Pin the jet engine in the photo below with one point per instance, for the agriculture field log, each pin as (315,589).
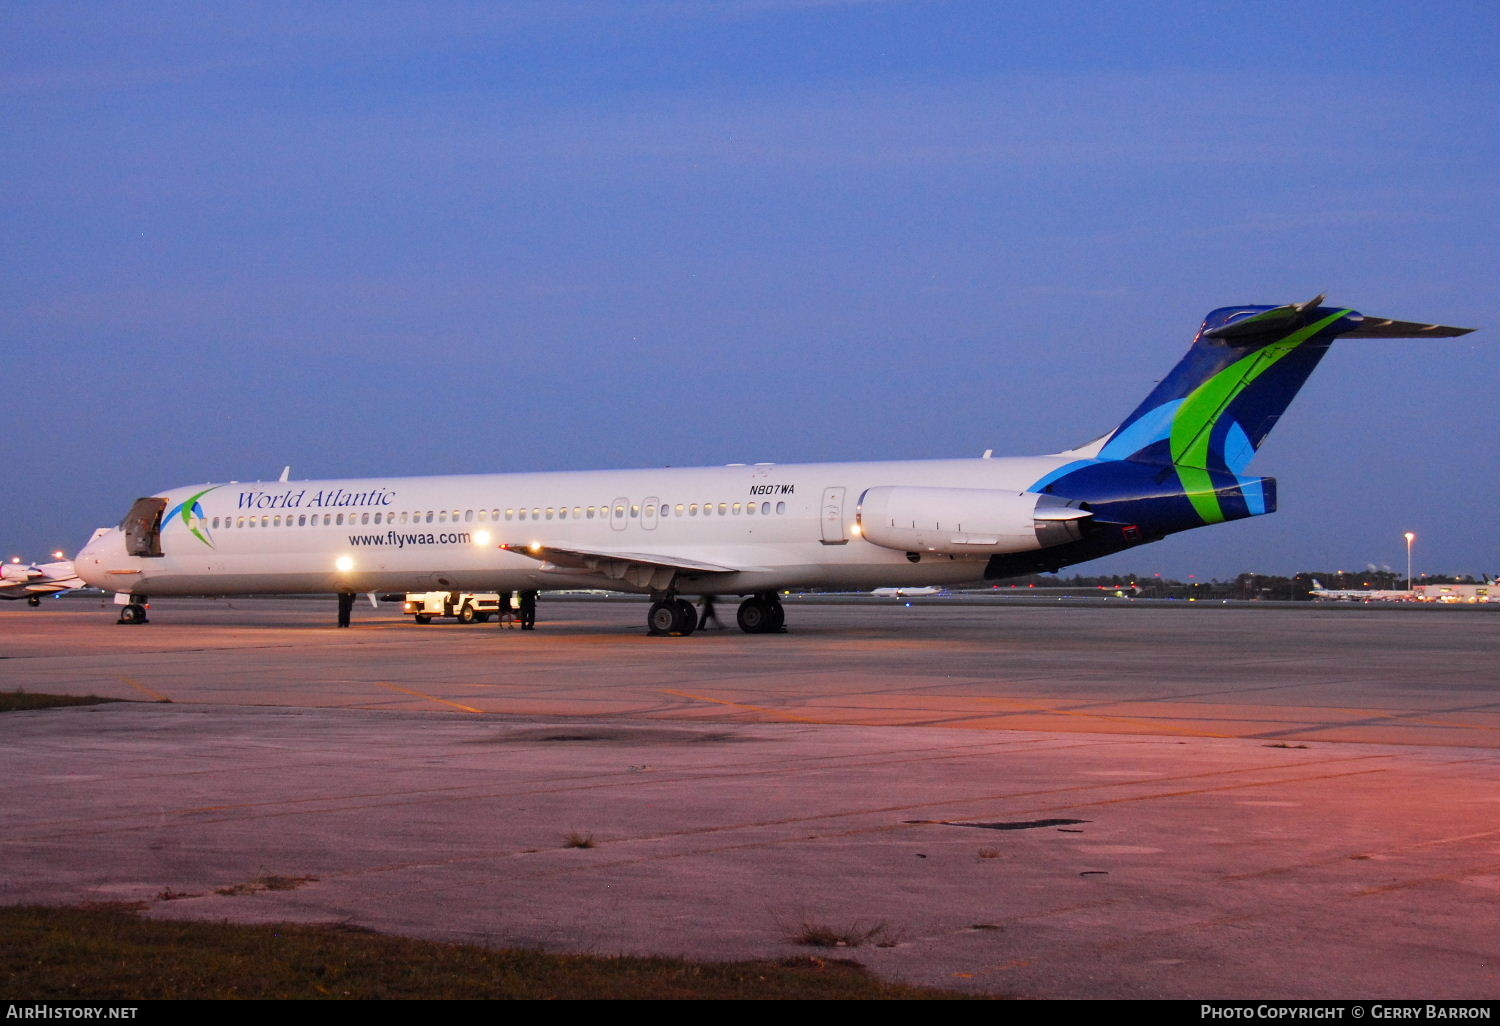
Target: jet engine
(968,521)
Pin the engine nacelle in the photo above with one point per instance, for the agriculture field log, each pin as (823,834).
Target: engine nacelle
(968,521)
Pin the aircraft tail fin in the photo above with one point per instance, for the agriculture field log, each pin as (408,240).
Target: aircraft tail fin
(1204,421)
(1222,399)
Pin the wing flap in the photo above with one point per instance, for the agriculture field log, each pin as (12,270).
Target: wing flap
(642,569)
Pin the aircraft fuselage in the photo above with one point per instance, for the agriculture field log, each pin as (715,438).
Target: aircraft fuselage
(770,526)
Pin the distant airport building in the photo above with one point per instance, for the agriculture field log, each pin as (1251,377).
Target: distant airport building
(1467,593)
(1445,593)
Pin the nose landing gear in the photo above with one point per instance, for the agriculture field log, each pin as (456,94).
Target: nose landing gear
(134,611)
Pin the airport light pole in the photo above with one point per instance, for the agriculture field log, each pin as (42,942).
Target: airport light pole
(1410,537)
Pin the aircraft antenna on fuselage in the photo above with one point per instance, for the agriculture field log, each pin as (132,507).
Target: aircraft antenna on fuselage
(286,473)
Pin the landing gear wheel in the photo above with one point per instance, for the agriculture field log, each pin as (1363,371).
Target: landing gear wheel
(759,615)
(689,617)
(664,618)
(753,616)
(33,600)
(132,613)
(422,618)
(466,615)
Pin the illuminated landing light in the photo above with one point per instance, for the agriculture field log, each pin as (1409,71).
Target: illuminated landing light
(535,546)
(57,555)
(481,537)
(854,530)
(344,564)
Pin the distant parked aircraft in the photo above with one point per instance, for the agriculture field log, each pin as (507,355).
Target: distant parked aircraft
(30,581)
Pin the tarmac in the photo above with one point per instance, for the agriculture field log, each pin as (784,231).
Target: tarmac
(1041,801)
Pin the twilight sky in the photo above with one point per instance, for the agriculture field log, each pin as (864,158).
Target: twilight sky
(388,238)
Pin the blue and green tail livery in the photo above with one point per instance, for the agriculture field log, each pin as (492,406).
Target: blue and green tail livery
(1179,460)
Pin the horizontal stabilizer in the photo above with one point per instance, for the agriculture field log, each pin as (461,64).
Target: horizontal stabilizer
(1380,327)
(1279,318)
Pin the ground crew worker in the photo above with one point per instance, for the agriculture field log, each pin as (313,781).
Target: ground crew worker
(346,606)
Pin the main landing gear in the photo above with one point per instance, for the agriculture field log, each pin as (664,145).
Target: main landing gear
(761,614)
(672,615)
(758,614)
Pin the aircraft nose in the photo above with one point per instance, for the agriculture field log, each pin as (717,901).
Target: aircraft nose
(94,560)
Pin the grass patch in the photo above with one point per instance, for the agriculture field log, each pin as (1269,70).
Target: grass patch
(821,935)
(111,954)
(578,839)
(266,883)
(22,701)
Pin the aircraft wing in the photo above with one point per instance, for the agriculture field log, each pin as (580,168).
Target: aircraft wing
(642,569)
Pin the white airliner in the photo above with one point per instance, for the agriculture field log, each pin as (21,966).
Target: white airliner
(30,581)
(1176,463)
(1317,591)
